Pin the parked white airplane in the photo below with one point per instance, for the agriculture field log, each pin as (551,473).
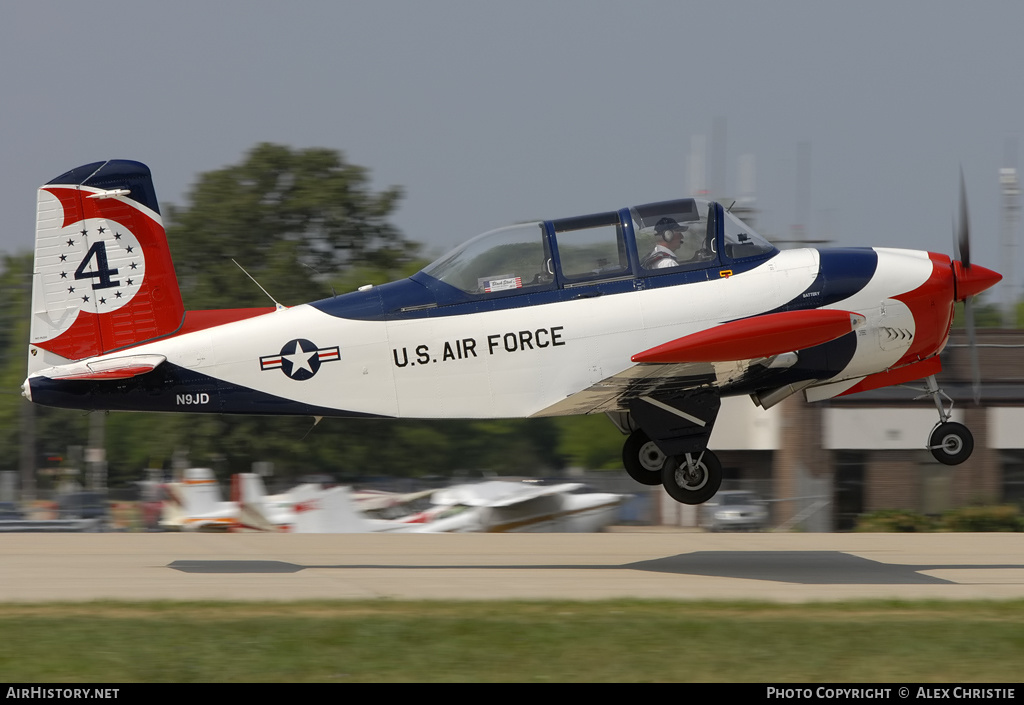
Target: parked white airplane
(498,506)
(305,509)
(263,512)
(649,314)
(388,505)
(494,506)
(334,512)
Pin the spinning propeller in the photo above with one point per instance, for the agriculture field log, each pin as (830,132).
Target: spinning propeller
(968,282)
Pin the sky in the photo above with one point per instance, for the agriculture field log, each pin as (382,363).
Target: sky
(490,112)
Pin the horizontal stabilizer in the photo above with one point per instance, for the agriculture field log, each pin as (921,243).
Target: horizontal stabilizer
(116,368)
(760,336)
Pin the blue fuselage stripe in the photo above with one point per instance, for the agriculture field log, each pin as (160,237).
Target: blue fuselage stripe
(172,388)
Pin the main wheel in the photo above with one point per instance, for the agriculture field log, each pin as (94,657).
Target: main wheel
(692,478)
(643,459)
(951,443)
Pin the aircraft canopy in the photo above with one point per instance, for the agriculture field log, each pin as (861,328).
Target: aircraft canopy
(632,242)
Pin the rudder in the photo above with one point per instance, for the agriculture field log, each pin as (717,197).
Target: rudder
(103,277)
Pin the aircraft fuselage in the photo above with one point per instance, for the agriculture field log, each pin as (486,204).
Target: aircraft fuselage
(518,361)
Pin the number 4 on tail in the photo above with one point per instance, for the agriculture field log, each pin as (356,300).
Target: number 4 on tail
(102,271)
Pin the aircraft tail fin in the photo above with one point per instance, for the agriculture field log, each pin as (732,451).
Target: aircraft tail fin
(247,488)
(103,277)
(200,493)
(329,512)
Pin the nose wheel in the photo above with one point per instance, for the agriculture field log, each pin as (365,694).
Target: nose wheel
(951,443)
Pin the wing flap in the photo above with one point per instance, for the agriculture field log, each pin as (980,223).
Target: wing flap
(757,337)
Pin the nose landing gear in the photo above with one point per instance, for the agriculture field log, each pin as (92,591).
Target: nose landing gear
(950,443)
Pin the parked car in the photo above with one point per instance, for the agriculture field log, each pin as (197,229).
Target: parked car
(734,510)
(83,505)
(11,510)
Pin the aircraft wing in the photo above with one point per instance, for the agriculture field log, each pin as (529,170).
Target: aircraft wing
(713,357)
(498,493)
(757,337)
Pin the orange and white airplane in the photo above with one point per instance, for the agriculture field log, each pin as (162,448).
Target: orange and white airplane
(649,314)
(194,504)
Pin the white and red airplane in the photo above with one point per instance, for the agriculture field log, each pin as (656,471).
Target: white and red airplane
(649,314)
(503,506)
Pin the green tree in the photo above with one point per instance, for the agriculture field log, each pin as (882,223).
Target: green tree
(15,280)
(301,222)
(986,314)
(590,442)
(292,218)
(305,224)
(54,429)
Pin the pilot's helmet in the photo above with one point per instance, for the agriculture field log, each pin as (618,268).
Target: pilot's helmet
(666,224)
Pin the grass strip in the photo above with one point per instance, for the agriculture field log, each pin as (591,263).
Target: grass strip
(601,641)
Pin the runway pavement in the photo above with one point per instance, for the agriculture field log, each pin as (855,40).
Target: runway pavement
(670,565)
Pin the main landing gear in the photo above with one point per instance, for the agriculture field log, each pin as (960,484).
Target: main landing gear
(690,478)
(667,444)
(643,459)
(693,478)
(950,443)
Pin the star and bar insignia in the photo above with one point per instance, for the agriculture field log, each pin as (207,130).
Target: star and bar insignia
(300,359)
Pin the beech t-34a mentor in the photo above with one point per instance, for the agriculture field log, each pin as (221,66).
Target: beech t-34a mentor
(649,314)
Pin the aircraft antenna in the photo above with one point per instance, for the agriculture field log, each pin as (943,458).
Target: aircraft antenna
(279,306)
(316,422)
(335,293)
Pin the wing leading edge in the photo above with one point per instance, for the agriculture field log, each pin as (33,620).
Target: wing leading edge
(757,337)
(715,357)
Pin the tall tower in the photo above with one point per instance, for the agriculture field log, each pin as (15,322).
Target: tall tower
(718,158)
(746,202)
(1011,214)
(698,181)
(803,193)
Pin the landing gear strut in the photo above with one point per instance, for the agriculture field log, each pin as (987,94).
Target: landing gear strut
(667,444)
(950,443)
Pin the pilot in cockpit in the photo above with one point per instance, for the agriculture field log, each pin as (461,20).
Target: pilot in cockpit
(669,237)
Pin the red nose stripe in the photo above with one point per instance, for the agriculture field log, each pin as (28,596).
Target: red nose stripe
(760,336)
(971,281)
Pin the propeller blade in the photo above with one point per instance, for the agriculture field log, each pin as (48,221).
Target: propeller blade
(956,243)
(964,233)
(969,283)
(972,345)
